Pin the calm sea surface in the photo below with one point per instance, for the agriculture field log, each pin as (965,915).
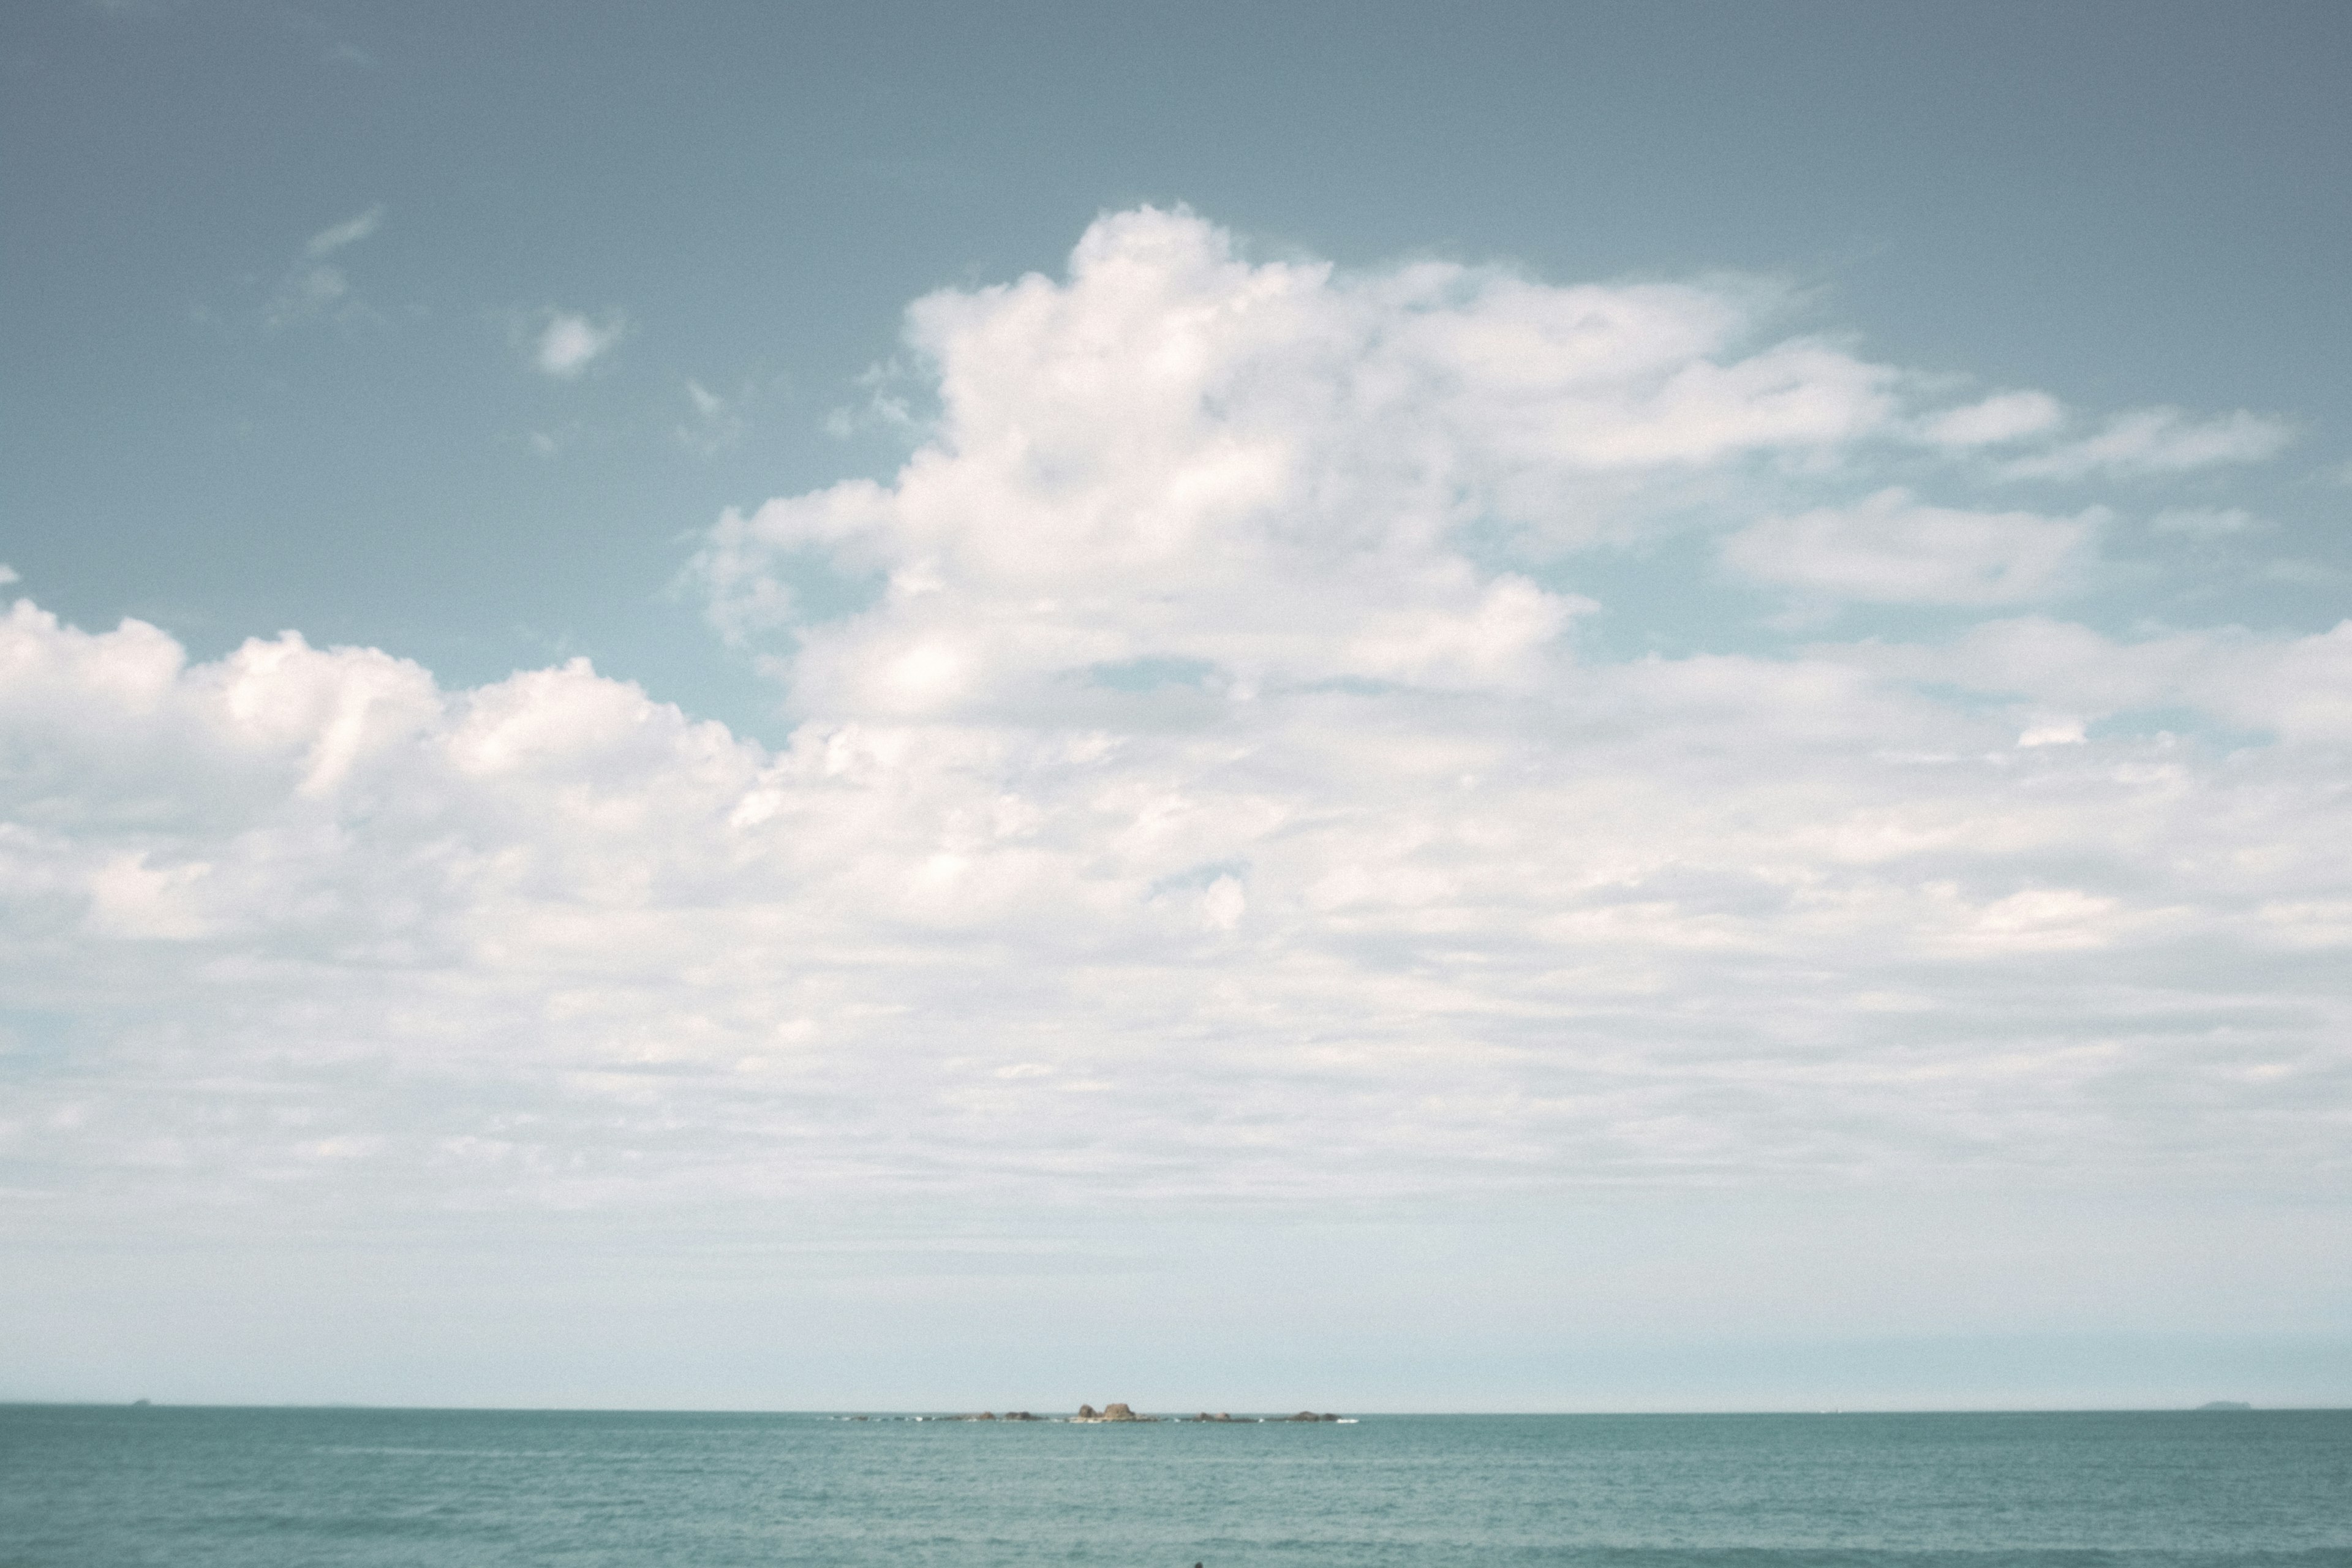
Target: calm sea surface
(262,1489)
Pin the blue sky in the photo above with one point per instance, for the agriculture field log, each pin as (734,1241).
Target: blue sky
(1665,685)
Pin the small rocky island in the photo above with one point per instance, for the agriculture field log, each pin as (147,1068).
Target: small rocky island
(1117,1410)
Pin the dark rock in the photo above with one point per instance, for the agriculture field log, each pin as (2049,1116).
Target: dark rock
(1087,1413)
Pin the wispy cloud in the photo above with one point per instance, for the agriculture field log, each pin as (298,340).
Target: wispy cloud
(2160,441)
(2205,522)
(315,289)
(2004,417)
(350,231)
(553,442)
(886,406)
(716,424)
(314,293)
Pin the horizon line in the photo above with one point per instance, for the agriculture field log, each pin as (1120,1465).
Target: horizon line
(2215,1408)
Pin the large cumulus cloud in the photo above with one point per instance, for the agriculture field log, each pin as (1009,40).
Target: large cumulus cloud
(1202,791)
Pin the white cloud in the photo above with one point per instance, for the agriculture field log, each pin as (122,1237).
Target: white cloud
(1178,454)
(1321,945)
(1890,549)
(350,231)
(2298,689)
(569,342)
(2053,733)
(1204,799)
(8,575)
(2003,417)
(2160,441)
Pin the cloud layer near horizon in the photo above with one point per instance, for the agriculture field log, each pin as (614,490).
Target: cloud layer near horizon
(1203,791)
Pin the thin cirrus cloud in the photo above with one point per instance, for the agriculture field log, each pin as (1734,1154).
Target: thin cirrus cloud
(318,290)
(1210,795)
(350,231)
(717,422)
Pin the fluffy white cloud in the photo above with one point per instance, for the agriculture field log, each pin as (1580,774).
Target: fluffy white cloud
(1206,800)
(1890,549)
(569,342)
(1717,919)
(1264,471)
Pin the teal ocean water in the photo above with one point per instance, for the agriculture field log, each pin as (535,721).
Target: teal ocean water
(113,1488)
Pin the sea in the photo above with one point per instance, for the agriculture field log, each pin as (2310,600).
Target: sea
(88,1487)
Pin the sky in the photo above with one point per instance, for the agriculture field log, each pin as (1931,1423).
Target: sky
(1517,708)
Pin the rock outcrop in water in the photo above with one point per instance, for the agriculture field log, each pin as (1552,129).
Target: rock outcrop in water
(1117,1410)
